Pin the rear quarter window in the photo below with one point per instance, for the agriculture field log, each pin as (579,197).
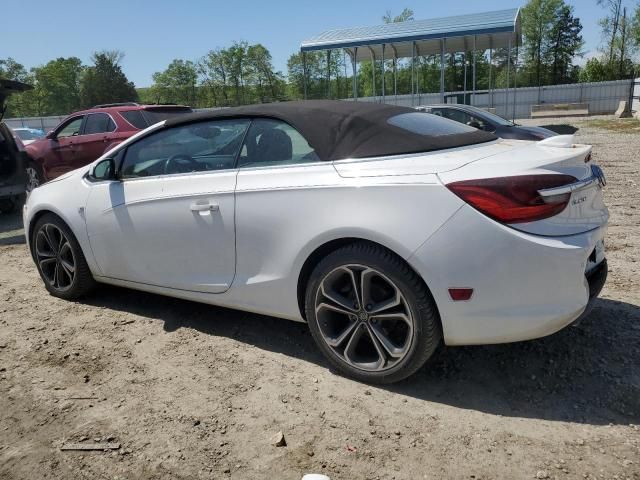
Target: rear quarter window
(428,124)
(135,118)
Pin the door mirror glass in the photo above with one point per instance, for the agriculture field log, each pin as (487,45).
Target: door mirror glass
(104,170)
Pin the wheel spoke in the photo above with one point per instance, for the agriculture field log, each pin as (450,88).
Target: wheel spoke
(42,238)
(365,287)
(56,276)
(334,308)
(350,351)
(376,343)
(388,304)
(45,262)
(336,341)
(385,342)
(68,267)
(356,288)
(337,298)
(50,233)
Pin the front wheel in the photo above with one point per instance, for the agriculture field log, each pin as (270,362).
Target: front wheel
(59,258)
(370,314)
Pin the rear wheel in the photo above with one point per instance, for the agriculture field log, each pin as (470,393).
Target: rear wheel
(370,314)
(59,258)
(35,177)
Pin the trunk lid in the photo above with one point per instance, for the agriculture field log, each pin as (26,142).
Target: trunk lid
(425,163)
(585,209)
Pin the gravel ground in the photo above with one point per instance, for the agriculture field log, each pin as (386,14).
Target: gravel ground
(191,391)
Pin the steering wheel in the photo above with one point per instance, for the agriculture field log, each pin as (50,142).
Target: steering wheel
(180,163)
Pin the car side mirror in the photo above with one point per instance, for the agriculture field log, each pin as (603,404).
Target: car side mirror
(104,170)
(475,124)
(51,135)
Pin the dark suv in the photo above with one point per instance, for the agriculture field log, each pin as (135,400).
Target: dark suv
(12,157)
(84,136)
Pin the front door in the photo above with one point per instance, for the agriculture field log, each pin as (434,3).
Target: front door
(95,137)
(169,220)
(61,155)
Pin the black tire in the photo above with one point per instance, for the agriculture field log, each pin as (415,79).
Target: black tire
(35,176)
(416,299)
(82,282)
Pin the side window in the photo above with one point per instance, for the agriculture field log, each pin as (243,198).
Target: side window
(71,128)
(273,142)
(477,122)
(436,111)
(195,147)
(457,115)
(98,123)
(135,118)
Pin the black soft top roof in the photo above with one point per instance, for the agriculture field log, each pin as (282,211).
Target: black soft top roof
(346,129)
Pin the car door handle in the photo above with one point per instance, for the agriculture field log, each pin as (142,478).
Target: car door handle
(204,207)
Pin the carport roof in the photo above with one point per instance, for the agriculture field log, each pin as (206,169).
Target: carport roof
(490,29)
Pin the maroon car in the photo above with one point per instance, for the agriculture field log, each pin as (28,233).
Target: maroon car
(84,136)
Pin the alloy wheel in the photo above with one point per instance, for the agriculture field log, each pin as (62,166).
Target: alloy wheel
(33,179)
(364,318)
(55,257)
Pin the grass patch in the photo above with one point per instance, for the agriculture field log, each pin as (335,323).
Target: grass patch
(619,125)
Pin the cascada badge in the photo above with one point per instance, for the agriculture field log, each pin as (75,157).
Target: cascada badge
(597,172)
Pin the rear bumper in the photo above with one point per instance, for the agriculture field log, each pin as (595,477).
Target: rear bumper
(525,286)
(596,278)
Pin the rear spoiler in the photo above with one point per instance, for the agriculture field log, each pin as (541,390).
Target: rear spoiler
(559,141)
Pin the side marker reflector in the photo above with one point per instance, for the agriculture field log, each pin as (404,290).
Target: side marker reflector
(460,294)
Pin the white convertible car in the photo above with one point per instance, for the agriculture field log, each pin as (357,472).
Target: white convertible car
(385,229)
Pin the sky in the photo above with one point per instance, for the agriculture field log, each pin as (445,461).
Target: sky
(151,33)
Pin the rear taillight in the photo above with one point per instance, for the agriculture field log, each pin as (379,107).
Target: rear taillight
(514,199)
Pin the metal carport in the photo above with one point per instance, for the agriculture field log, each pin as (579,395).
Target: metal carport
(460,33)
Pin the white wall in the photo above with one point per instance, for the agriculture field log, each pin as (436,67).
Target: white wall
(602,97)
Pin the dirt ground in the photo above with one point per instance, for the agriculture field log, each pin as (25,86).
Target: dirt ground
(192,391)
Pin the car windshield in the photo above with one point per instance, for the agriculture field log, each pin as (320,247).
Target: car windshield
(155,115)
(491,117)
(29,134)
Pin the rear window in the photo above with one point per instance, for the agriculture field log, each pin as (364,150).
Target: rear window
(428,125)
(156,115)
(145,118)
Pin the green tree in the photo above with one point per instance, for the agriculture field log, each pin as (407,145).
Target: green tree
(57,86)
(565,44)
(405,15)
(105,82)
(18,105)
(538,21)
(595,70)
(635,27)
(619,32)
(214,71)
(267,84)
(176,84)
(610,24)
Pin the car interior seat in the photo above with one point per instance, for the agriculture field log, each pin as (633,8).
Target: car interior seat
(274,146)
